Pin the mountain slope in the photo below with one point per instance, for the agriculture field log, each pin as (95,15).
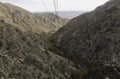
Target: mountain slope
(27,21)
(24,55)
(51,21)
(93,37)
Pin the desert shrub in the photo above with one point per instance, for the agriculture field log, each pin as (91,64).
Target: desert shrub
(2,20)
(79,74)
(114,76)
(1,43)
(95,73)
(112,72)
(90,71)
(2,76)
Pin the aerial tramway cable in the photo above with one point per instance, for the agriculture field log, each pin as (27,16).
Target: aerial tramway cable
(44,5)
(55,6)
(55,2)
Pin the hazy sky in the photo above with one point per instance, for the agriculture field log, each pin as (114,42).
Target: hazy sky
(64,5)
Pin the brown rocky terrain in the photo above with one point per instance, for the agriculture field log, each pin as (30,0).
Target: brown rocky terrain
(25,55)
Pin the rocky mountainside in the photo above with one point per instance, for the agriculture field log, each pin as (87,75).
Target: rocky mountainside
(24,45)
(27,21)
(25,55)
(93,37)
(85,48)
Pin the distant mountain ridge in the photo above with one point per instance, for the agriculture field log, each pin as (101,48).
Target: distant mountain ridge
(69,14)
(66,14)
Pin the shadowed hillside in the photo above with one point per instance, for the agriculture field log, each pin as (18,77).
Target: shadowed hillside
(93,36)
(92,41)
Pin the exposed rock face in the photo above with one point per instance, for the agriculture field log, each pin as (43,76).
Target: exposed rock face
(27,21)
(93,36)
(24,55)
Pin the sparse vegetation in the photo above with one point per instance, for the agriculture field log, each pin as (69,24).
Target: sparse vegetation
(25,55)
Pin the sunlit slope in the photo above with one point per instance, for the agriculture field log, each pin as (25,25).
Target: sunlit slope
(27,21)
